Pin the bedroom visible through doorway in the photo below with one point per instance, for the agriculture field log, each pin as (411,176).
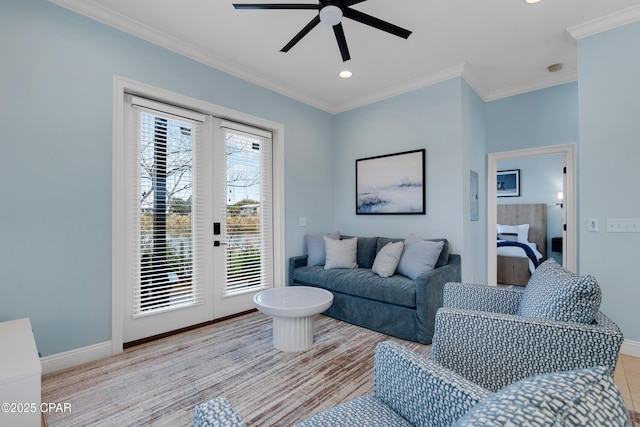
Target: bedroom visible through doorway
(565,215)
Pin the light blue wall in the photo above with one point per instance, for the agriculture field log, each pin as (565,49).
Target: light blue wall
(447,119)
(608,156)
(474,266)
(534,119)
(55,161)
(429,118)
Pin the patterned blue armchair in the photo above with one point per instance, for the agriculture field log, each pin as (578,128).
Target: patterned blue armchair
(495,336)
(411,390)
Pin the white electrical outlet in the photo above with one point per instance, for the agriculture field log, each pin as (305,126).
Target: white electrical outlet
(623,225)
(593,224)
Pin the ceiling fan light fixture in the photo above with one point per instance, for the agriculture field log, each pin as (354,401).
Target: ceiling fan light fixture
(331,15)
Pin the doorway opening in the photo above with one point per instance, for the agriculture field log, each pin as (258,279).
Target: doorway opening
(569,232)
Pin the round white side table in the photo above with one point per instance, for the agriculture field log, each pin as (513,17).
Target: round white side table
(292,309)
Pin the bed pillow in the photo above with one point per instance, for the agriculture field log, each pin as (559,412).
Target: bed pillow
(341,253)
(316,249)
(522,231)
(555,293)
(388,258)
(583,397)
(418,256)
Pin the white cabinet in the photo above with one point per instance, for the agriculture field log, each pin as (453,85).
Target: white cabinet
(20,372)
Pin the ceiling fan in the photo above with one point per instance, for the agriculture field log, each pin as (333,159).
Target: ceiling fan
(331,13)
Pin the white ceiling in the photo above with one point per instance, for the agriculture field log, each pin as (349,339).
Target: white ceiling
(500,47)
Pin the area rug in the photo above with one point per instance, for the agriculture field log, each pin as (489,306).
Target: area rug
(160,383)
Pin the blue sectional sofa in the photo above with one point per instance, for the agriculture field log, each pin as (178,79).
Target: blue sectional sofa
(398,305)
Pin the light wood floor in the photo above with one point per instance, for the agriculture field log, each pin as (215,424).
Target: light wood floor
(627,378)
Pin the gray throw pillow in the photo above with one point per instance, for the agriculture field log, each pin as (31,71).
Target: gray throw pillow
(341,253)
(555,293)
(419,256)
(315,247)
(387,260)
(580,398)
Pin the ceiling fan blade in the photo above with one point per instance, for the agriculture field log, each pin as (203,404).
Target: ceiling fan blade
(276,6)
(348,3)
(342,42)
(315,21)
(376,23)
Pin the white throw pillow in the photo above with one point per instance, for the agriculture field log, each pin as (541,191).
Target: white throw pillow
(521,230)
(419,256)
(315,247)
(341,253)
(387,260)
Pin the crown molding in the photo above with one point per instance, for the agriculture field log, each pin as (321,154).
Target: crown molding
(568,77)
(609,22)
(440,76)
(108,17)
(123,23)
(472,80)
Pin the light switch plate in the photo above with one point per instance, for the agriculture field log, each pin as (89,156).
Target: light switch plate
(623,225)
(593,224)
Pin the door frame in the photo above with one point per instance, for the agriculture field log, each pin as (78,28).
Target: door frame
(569,241)
(121,86)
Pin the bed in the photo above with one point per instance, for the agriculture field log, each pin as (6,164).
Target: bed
(526,225)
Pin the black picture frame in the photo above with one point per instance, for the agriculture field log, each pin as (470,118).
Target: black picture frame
(392,184)
(508,183)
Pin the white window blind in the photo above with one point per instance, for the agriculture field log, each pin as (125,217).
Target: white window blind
(249,221)
(168,256)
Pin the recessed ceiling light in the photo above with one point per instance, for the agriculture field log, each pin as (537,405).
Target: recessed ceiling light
(532,1)
(345,74)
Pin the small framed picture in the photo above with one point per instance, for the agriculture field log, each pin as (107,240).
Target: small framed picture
(508,183)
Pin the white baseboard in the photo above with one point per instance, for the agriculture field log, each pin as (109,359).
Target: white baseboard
(78,356)
(630,348)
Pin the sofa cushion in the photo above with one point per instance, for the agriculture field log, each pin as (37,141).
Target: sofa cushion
(443,259)
(315,247)
(367,249)
(584,397)
(387,260)
(558,294)
(419,256)
(361,282)
(362,411)
(341,253)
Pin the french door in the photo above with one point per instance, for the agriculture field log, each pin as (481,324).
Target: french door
(197,218)
(243,216)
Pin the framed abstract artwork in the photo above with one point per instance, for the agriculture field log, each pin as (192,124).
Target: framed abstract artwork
(392,184)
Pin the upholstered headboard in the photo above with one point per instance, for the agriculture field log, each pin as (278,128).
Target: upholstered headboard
(533,214)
